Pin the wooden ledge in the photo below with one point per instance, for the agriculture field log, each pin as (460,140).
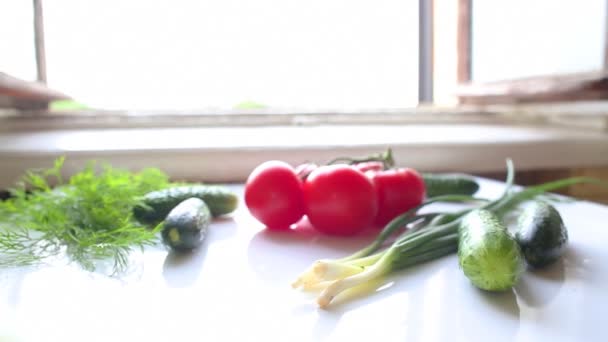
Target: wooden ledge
(20,94)
(571,87)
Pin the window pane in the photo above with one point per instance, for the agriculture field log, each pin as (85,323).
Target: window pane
(17,51)
(220,53)
(519,38)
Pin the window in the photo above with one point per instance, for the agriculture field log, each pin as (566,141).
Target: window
(308,79)
(532,51)
(339,54)
(17,39)
(523,38)
(336,54)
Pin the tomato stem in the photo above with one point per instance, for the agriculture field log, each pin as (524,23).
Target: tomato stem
(385,158)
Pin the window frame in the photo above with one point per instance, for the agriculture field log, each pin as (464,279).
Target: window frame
(472,97)
(39,39)
(583,86)
(575,87)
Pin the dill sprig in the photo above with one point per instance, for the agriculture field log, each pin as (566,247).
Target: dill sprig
(89,217)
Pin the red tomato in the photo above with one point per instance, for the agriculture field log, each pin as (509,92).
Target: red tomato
(340,200)
(397,190)
(273,194)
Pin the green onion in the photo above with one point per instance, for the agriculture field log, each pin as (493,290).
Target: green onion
(438,237)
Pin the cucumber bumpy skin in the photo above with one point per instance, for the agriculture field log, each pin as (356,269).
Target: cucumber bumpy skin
(487,253)
(158,204)
(541,234)
(186,226)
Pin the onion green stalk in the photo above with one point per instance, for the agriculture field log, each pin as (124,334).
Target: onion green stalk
(323,270)
(437,238)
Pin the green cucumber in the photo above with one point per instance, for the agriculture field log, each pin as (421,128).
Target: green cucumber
(438,184)
(156,205)
(488,255)
(185,227)
(541,234)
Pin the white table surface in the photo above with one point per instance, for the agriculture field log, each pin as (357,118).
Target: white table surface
(237,287)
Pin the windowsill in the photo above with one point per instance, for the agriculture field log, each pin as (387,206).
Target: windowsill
(227,154)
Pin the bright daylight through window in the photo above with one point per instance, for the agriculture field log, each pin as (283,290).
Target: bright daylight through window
(330,54)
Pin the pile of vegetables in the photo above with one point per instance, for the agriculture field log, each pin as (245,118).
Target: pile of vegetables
(346,198)
(101,214)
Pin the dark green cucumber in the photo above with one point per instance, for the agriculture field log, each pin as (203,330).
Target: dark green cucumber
(156,205)
(488,255)
(541,234)
(186,226)
(438,184)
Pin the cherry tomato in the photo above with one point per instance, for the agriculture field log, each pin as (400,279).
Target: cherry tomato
(340,200)
(397,190)
(274,196)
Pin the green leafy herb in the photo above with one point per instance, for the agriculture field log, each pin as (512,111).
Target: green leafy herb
(89,217)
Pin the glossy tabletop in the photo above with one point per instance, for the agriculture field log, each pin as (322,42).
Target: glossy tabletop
(237,287)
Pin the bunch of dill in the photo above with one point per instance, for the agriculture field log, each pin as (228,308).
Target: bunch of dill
(88,217)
